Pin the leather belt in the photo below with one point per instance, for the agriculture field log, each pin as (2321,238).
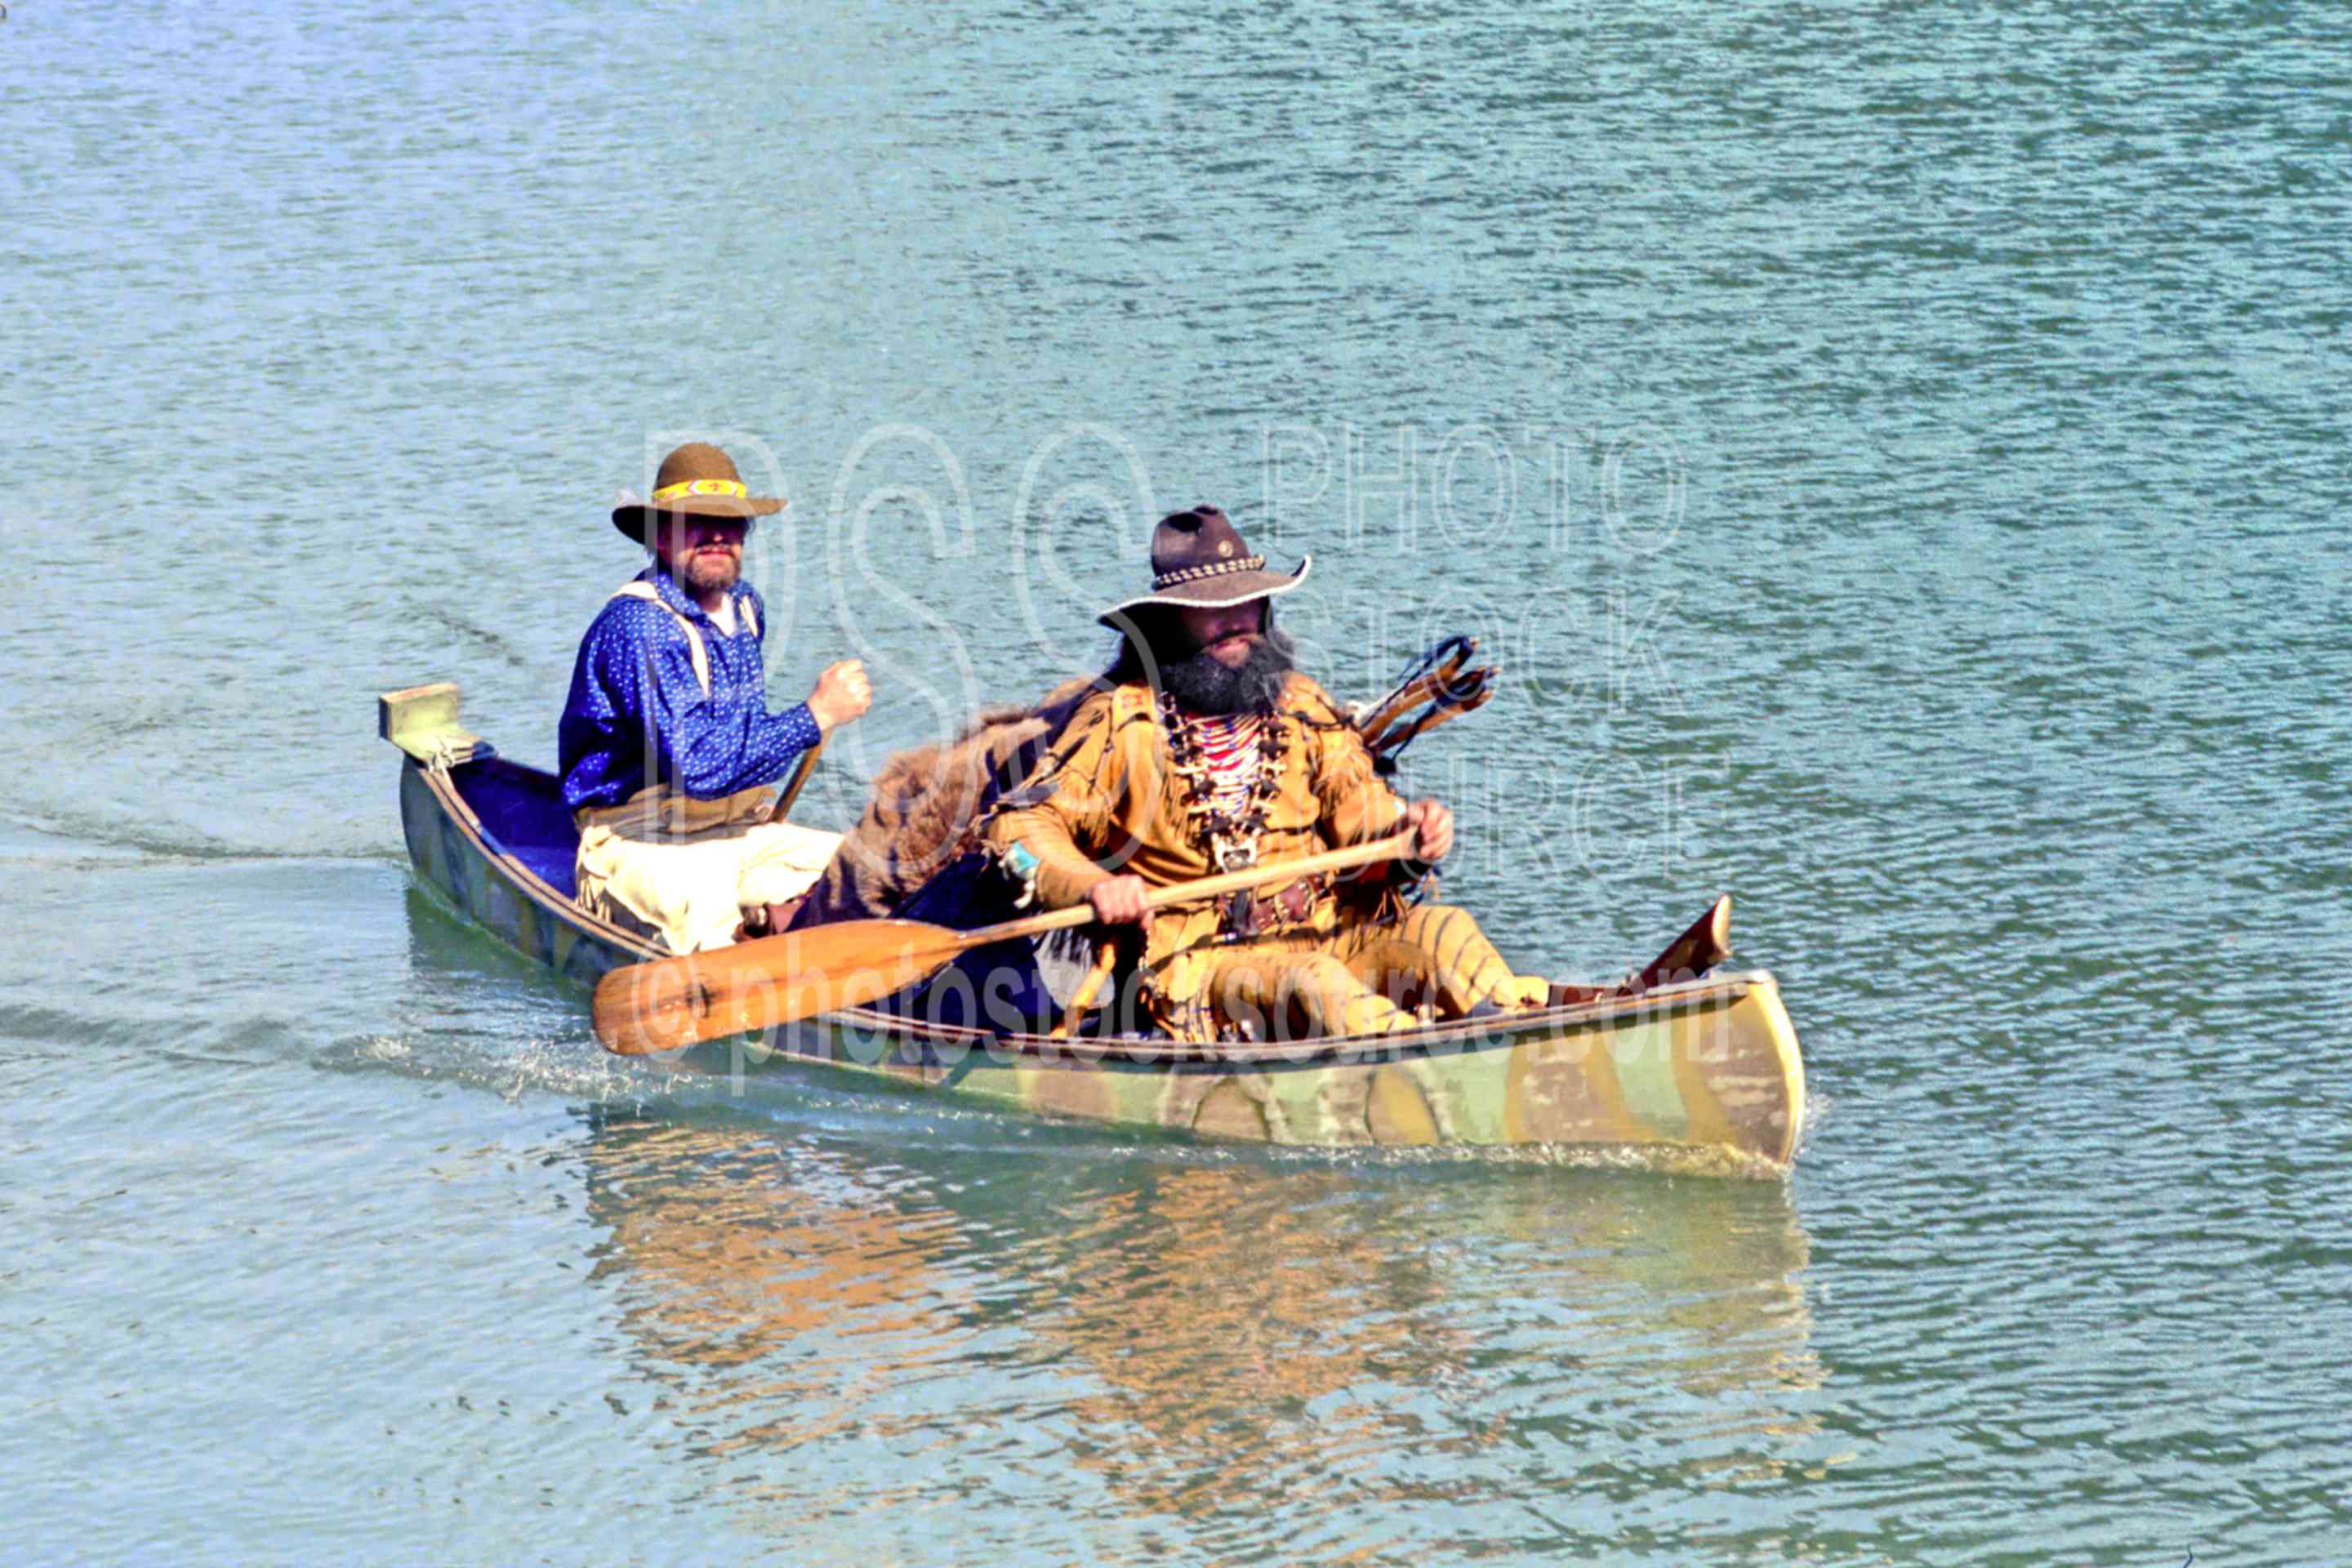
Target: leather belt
(1250,914)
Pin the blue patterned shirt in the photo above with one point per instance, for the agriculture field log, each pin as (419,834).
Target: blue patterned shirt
(636,714)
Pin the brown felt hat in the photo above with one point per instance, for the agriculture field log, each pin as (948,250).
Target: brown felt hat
(699,480)
(1198,558)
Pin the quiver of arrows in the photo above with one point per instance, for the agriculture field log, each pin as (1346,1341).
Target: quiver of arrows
(1443,685)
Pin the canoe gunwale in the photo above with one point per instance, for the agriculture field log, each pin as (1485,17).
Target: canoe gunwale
(532,884)
(1467,1034)
(941,1056)
(1151,1051)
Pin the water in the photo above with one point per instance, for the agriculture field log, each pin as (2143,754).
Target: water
(1897,453)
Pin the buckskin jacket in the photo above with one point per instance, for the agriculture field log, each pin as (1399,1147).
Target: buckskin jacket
(1115,794)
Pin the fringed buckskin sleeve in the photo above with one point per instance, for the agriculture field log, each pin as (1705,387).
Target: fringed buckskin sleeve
(1086,782)
(1356,803)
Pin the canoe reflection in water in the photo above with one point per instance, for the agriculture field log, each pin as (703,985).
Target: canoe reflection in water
(1246,1344)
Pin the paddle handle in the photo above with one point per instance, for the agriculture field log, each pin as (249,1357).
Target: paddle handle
(800,776)
(1396,847)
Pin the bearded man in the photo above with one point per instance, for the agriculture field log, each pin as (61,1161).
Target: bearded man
(667,747)
(1209,753)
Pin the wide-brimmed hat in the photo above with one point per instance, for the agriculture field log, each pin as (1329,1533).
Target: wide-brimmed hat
(699,480)
(1198,558)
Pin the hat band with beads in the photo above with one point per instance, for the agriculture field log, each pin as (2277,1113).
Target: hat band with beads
(700,488)
(1214,568)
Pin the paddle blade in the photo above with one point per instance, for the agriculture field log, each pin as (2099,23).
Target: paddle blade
(674,1001)
(1706,944)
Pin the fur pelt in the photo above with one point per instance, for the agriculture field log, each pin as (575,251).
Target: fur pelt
(926,806)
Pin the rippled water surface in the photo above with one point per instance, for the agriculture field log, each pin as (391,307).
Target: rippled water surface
(1897,454)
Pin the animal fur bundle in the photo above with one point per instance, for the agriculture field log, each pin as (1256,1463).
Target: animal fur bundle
(927,806)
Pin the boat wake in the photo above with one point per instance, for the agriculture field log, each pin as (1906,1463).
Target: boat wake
(65,838)
(1717,1162)
(257,1039)
(512,1072)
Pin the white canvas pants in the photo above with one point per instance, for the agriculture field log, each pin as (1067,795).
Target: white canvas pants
(691,890)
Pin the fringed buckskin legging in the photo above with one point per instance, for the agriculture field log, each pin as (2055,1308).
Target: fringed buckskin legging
(1352,982)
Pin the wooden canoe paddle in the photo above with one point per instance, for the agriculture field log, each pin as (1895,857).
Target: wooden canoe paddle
(672,1002)
(800,776)
(1706,944)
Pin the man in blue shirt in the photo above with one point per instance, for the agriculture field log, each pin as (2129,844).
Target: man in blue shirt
(667,750)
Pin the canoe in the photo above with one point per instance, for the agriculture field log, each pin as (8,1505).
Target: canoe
(1699,1075)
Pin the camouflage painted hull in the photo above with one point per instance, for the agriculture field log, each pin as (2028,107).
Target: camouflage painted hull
(1701,1076)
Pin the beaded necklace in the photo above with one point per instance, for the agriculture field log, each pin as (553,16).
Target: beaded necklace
(1231,766)
(1228,744)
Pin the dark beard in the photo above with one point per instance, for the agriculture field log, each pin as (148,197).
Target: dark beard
(700,578)
(1200,685)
